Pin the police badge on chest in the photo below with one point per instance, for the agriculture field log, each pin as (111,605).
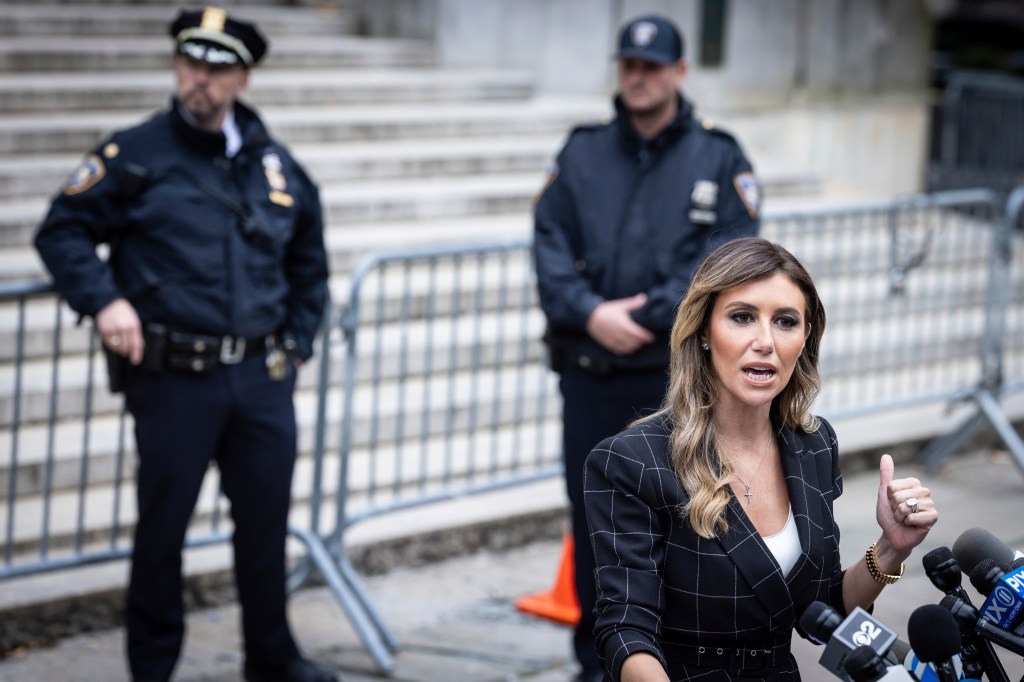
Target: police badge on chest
(703,201)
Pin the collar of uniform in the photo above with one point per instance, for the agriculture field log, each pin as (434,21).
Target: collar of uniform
(682,121)
(248,124)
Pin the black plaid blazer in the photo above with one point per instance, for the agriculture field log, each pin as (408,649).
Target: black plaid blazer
(710,610)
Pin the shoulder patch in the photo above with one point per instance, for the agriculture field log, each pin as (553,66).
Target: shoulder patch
(90,171)
(548,181)
(749,190)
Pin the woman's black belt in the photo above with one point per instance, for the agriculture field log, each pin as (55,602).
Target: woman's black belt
(738,657)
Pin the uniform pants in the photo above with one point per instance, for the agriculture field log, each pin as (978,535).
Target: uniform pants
(239,418)
(594,408)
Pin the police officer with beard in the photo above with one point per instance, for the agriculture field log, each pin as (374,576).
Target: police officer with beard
(207,305)
(629,211)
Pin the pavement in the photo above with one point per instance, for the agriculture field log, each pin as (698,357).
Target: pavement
(456,619)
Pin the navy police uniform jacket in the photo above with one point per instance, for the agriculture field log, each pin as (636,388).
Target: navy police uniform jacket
(718,609)
(622,215)
(198,241)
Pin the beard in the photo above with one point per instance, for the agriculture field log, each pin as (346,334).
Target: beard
(201,107)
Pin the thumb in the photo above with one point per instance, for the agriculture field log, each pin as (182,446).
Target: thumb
(636,301)
(885,471)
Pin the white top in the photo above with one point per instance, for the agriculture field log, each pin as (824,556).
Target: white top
(785,544)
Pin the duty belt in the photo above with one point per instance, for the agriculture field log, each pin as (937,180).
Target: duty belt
(193,352)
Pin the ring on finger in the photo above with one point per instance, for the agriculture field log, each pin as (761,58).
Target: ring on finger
(913,505)
(115,340)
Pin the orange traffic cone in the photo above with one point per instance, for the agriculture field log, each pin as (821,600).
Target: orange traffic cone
(559,603)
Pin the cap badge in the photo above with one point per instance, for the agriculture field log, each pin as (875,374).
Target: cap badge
(213,20)
(642,33)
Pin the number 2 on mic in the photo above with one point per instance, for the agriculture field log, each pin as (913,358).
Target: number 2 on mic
(869,632)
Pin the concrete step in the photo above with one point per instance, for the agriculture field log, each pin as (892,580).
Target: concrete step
(345,244)
(110,18)
(144,90)
(491,339)
(40,175)
(360,202)
(227,4)
(404,440)
(20,54)
(392,200)
(89,523)
(48,132)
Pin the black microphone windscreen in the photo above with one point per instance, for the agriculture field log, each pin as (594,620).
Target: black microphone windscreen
(975,544)
(934,634)
(937,556)
(819,621)
(985,576)
(864,664)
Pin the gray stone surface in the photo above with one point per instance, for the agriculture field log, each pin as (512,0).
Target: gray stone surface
(456,618)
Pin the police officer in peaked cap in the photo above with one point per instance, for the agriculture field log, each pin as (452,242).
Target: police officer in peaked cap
(206,307)
(630,209)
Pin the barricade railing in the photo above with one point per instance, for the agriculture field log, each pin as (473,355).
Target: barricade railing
(67,455)
(1013,332)
(430,343)
(433,382)
(67,493)
(978,145)
(1002,344)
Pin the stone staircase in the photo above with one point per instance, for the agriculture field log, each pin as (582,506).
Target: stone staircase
(406,153)
(392,139)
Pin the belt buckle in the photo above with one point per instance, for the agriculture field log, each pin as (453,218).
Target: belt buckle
(232,350)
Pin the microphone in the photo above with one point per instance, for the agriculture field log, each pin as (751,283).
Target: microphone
(841,636)
(943,568)
(968,617)
(1005,599)
(975,544)
(819,621)
(985,576)
(865,665)
(935,636)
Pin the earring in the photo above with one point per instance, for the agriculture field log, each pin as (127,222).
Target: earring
(705,346)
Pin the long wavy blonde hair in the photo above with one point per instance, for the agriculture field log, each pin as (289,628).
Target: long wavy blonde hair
(693,393)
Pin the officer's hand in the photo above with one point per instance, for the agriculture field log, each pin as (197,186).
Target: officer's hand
(612,326)
(121,330)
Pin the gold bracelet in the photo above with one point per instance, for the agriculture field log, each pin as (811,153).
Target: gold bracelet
(876,573)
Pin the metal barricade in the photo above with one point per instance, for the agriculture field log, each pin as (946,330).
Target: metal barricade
(1003,346)
(445,391)
(66,461)
(1013,332)
(979,146)
(919,295)
(433,382)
